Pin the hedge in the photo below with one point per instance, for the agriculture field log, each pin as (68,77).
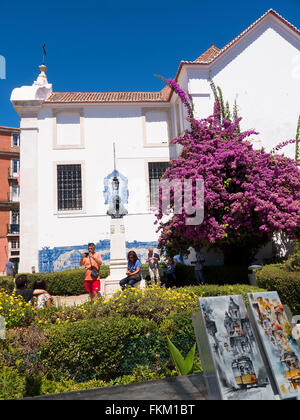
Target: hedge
(63,283)
(275,277)
(91,349)
(71,282)
(222,274)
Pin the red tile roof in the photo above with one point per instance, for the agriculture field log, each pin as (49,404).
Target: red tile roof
(208,55)
(103,97)
(213,52)
(165,94)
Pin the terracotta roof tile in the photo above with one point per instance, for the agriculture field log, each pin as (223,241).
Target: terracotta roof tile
(165,94)
(213,52)
(208,55)
(104,97)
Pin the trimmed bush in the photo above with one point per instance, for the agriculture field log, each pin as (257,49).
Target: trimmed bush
(185,275)
(6,283)
(12,384)
(209,290)
(275,277)
(71,282)
(91,349)
(63,283)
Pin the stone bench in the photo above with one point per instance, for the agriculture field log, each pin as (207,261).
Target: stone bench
(140,284)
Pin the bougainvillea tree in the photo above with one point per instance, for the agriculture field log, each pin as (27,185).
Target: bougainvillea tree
(248,194)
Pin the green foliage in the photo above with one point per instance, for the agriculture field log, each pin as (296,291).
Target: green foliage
(12,384)
(139,374)
(117,341)
(6,283)
(153,303)
(15,310)
(63,283)
(91,348)
(184,366)
(293,262)
(215,290)
(185,275)
(275,277)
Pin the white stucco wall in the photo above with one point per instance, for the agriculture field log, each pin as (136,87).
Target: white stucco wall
(262,74)
(102,127)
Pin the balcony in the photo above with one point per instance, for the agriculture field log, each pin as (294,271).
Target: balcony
(13,230)
(14,250)
(12,176)
(12,201)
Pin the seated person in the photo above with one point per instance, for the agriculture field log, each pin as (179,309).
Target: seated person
(44,300)
(169,277)
(21,289)
(178,258)
(133,272)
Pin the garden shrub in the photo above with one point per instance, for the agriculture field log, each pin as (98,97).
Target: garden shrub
(91,349)
(63,283)
(220,275)
(12,384)
(15,310)
(153,303)
(6,283)
(275,277)
(293,262)
(139,373)
(210,290)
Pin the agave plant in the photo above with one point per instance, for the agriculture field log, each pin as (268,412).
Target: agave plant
(184,366)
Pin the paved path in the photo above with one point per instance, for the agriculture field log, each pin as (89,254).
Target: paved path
(70,300)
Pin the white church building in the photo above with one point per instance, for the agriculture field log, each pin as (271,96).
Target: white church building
(67,160)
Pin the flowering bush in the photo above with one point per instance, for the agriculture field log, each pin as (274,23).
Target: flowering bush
(15,310)
(248,194)
(153,303)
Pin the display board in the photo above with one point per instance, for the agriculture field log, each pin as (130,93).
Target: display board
(231,359)
(281,349)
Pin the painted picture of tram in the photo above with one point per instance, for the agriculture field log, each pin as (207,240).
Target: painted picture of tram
(244,373)
(276,335)
(239,367)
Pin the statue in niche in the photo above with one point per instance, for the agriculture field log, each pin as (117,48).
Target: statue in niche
(116,193)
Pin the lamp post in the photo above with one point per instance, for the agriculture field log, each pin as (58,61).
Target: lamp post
(118,261)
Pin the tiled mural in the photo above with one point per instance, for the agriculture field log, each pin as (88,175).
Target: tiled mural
(68,257)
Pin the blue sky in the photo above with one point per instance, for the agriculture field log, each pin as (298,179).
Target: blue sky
(116,45)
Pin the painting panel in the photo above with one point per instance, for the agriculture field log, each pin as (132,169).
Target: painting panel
(281,348)
(239,367)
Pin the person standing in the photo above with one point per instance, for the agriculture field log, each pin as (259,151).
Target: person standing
(133,273)
(153,267)
(92,261)
(9,266)
(199,264)
(169,277)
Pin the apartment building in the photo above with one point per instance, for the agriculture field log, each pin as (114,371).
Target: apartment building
(9,196)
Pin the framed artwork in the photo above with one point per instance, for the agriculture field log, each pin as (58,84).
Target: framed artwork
(231,359)
(281,349)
